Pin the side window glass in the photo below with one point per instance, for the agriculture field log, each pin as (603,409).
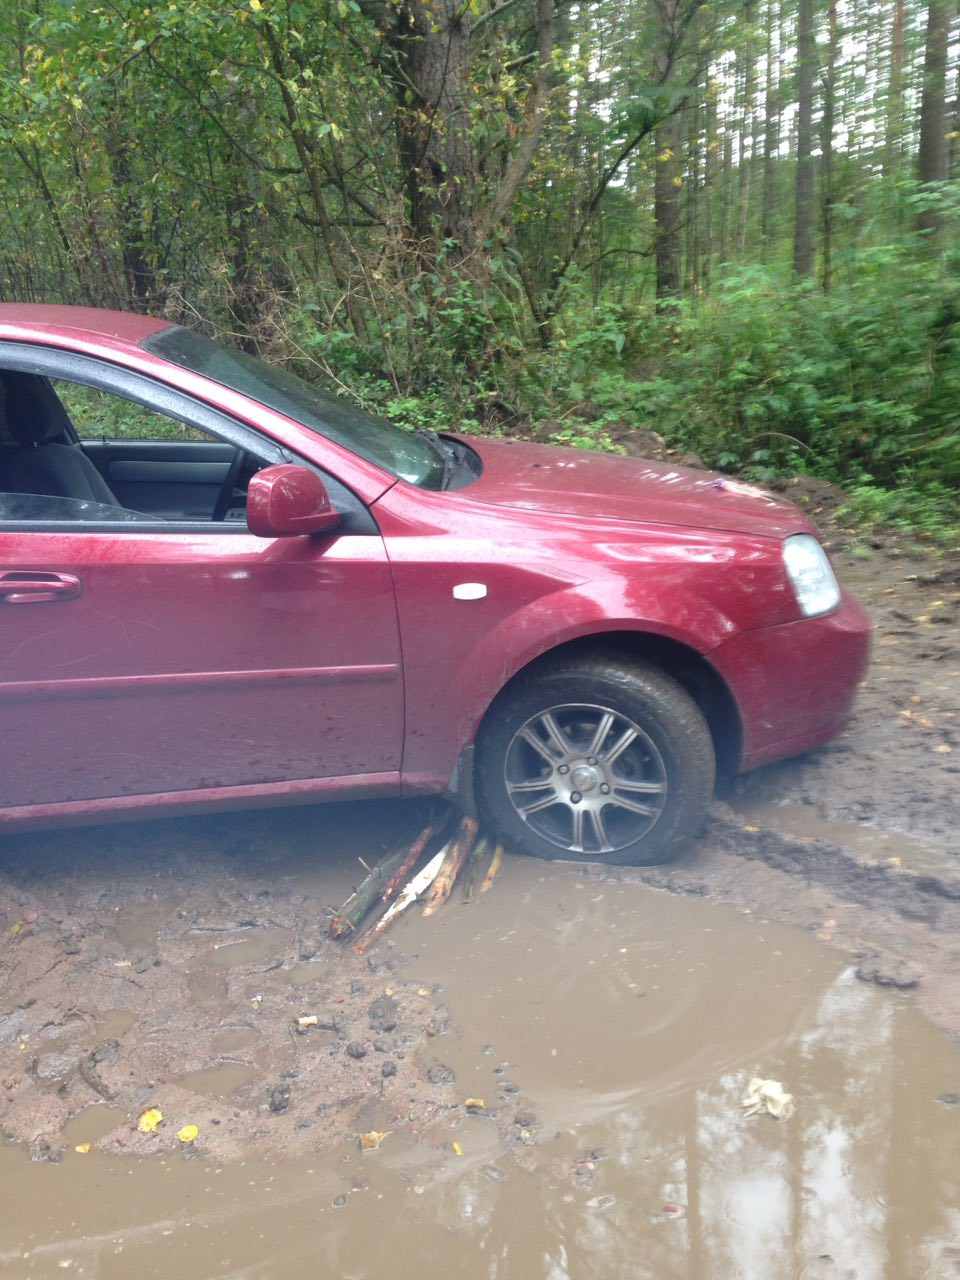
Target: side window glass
(72,452)
(99,415)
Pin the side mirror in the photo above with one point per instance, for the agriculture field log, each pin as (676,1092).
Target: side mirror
(286,500)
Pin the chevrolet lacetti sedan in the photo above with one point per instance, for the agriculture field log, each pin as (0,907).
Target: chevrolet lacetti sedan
(220,588)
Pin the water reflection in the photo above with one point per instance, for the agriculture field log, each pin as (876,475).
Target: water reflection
(639,1172)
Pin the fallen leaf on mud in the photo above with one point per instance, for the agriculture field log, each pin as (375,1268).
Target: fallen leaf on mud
(943,749)
(371,1141)
(15,928)
(769,1096)
(150,1120)
(83,1148)
(475,1104)
(457,1149)
(308,1020)
(189,1133)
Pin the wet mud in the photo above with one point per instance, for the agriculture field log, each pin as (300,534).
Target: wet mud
(571,1047)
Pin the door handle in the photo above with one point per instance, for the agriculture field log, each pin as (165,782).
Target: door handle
(38,588)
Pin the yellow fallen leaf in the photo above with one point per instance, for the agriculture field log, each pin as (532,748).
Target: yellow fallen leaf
(15,928)
(83,1148)
(475,1104)
(150,1120)
(457,1149)
(371,1141)
(188,1133)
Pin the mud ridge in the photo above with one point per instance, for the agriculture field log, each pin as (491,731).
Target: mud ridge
(883,886)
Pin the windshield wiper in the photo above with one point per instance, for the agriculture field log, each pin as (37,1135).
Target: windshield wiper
(442,450)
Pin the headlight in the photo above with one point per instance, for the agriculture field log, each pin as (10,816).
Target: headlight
(814,581)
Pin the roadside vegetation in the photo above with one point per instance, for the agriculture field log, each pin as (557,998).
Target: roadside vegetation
(732,225)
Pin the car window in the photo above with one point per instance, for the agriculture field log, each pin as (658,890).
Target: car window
(100,415)
(75,452)
(414,457)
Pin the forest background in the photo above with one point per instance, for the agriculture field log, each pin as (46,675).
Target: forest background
(733,223)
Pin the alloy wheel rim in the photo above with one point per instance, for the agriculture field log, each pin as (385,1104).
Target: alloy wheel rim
(585,778)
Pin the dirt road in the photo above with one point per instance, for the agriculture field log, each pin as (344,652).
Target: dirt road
(175,959)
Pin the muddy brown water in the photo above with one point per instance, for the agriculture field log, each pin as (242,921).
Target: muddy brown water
(626,1023)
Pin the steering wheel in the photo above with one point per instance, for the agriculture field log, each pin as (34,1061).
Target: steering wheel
(225,496)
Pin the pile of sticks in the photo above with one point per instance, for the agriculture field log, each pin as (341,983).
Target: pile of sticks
(399,879)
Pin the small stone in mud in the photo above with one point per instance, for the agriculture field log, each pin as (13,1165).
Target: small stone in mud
(949,1099)
(338,1202)
(601,1202)
(525,1119)
(889,973)
(356,1050)
(388,1069)
(279,1099)
(441,1074)
(383,1013)
(44,1153)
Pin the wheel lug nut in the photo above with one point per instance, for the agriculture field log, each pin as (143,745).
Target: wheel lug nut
(592,760)
(575,797)
(605,789)
(564,768)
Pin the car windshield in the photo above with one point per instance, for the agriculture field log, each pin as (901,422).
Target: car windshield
(411,457)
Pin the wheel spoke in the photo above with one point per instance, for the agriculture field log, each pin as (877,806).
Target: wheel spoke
(628,737)
(634,806)
(603,728)
(576,840)
(600,831)
(538,745)
(555,736)
(531,784)
(547,802)
(640,788)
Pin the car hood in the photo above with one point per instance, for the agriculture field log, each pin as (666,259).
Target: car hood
(575,482)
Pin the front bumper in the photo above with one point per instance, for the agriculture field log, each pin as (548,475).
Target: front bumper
(795,684)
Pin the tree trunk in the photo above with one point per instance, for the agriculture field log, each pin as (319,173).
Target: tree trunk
(805,210)
(933,153)
(827,193)
(436,154)
(896,108)
(771,134)
(666,205)
(748,90)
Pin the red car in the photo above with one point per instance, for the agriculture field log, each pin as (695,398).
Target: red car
(267,596)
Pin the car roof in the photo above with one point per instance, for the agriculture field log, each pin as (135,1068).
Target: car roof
(82,327)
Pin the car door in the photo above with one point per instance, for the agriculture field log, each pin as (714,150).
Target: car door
(143,656)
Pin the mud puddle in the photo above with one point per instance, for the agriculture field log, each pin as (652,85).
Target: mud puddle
(606,1033)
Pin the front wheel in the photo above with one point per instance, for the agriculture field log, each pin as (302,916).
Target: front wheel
(596,761)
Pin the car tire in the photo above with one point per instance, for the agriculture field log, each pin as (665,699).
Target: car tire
(595,761)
